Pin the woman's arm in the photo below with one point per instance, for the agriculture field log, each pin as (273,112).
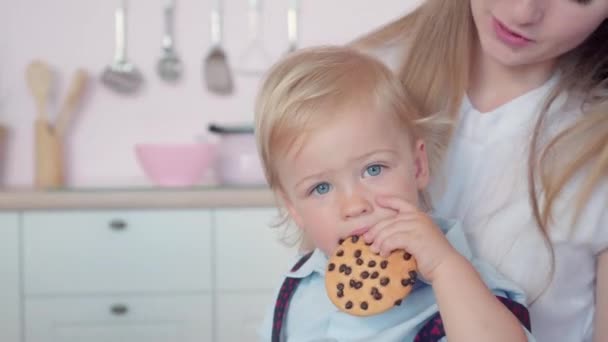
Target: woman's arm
(468,308)
(601,299)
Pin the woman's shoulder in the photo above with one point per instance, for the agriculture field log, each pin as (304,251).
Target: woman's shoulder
(587,226)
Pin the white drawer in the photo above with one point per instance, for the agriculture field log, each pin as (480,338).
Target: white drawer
(104,319)
(249,254)
(116,251)
(240,315)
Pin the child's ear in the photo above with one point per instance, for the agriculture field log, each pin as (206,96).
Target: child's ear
(291,210)
(421,163)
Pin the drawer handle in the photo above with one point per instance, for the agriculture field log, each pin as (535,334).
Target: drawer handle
(119,309)
(118,224)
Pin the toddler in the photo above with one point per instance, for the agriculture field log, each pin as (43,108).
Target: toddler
(346,153)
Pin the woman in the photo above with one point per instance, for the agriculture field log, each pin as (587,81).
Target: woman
(527,164)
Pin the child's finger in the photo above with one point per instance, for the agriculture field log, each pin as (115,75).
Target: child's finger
(379,233)
(395,203)
(387,229)
(372,233)
(394,240)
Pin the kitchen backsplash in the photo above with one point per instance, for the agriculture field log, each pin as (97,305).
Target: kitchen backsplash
(71,34)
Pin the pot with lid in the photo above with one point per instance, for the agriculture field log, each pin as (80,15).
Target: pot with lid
(237,158)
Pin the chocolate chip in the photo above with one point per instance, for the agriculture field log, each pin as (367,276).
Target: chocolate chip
(340,286)
(405,282)
(374,291)
(383,264)
(375,275)
(357,253)
(355,238)
(331,267)
(358,285)
(364,275)
(341,241)
(340,294)
(384,281)
(371,263)
(342,268)
(352,283)
(340,253)
(398,302)
(413,275)
(377,296)
(347,270)
(364,305)
(349,305)
(407,256)
(359,262)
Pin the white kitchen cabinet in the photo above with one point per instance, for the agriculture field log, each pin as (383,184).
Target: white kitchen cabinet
(251,262)
(119,319)
(90,252)
(139,275)
(10,299)
(239,315)
(249,251)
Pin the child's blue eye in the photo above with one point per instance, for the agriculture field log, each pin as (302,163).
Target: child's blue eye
(374,170)
(322,188)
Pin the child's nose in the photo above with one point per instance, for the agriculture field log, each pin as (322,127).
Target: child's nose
(355,205)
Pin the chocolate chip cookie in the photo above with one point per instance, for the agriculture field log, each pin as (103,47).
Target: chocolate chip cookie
(362,283)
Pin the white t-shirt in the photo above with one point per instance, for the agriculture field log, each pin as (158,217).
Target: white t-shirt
(483,182)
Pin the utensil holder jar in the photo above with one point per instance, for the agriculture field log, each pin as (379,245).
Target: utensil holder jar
(49,172)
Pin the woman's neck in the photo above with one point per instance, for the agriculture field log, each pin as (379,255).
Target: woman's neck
(493,84)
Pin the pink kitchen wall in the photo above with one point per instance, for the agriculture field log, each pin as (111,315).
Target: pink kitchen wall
(70,34)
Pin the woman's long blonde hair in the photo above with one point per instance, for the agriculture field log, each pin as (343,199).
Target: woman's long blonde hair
(440,36)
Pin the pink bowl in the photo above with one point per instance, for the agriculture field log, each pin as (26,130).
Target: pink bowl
(175,164)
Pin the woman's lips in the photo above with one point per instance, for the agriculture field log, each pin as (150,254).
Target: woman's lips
(508,36)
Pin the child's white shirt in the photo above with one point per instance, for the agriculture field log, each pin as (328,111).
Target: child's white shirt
(311,316)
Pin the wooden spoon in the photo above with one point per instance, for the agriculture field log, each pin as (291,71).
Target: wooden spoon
(39,78)
(68,107)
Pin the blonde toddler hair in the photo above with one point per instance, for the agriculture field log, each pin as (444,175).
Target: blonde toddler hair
(307,87)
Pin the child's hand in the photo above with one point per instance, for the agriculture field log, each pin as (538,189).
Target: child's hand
(413,231)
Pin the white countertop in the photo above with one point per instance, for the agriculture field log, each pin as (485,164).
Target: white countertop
(203,197)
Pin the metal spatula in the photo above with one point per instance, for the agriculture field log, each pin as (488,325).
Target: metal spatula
(255,59)
(121,76)
(292,25)
(216,70)
(169,67)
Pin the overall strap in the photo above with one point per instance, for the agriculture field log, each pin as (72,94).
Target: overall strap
(433,330)
(282,303)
